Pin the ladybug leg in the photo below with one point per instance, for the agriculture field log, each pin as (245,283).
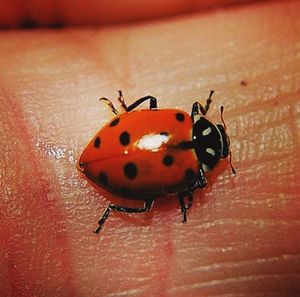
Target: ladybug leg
(197,107)
(147,207)
(122,100)
(190,200)
(201,179)
(181,196)
(184,208)
(153,103)
(110,105)
(208,102)
(201,183)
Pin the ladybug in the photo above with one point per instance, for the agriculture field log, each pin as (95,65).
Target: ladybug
(146,153)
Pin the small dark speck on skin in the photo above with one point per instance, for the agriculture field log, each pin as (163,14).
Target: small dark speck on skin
(243,83)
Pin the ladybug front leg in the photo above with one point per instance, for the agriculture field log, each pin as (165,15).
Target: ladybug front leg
(153,103)
(198,106)
(147,207)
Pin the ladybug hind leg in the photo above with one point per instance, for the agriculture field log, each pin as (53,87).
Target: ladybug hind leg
(147,207)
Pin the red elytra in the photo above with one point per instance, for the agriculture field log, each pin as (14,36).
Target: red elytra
(146,153)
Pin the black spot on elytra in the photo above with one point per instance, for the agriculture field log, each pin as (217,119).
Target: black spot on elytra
(180,117)
(168,160)
(102,178)
(97,142)
(125,192)
(130,170)
(189,174)
(124,138)
(114,122)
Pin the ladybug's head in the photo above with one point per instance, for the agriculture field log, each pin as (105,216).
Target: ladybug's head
(211,142)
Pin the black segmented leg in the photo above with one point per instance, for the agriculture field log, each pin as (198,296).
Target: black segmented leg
(198,106)
(110,105)
(122,100)
(201,179)
(190,198)
(153,103)
(183,208)
(208,102)
(199,183)
(147,206)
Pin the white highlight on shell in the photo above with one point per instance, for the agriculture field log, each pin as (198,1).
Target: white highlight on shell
(206,131)
(152,142)
(211,151)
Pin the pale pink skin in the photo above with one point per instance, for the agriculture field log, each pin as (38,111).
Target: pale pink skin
(242,237)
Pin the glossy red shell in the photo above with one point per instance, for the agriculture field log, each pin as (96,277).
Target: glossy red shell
(148,140)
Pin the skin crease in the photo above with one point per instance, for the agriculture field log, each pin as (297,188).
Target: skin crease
(242,236)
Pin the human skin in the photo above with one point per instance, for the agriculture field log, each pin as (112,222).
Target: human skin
(242,235)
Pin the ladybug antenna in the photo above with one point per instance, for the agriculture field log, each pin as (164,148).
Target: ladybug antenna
(229,150)
(222,119)
(230,162)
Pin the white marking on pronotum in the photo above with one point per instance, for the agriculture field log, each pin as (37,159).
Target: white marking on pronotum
(211,151)
(206,131)
(197,117)
(205,167)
